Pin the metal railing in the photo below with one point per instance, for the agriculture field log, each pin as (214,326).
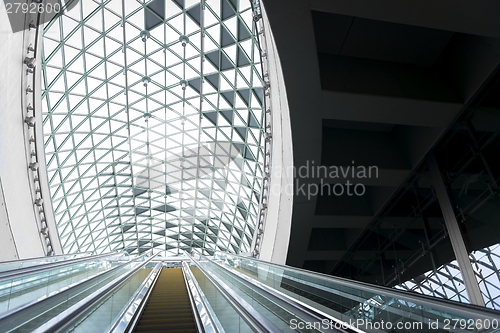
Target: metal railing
(353,300)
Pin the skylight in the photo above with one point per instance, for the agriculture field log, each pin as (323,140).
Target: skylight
(153,116)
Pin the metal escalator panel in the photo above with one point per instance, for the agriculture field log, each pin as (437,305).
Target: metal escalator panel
(32,316)
(168,308)
(362,305)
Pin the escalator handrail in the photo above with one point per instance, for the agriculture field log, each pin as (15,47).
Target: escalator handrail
(425,300)
(81,255)
(30,270)
(70,316)
(204,313)
(252,317)
(60,292)
(320,316)
(199,326)
(130,315)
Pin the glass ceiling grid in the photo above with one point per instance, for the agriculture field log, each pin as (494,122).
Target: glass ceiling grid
(446,281)
(152,145)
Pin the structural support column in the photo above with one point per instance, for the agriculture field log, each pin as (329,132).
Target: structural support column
(457,242)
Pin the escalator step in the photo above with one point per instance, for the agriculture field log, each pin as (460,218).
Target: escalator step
(168,308)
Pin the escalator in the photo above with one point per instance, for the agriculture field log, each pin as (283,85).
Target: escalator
(168,308)
(223,293)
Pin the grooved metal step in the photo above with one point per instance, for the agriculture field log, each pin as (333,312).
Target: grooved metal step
(168,308)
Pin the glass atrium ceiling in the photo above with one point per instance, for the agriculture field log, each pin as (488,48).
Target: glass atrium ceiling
(153,145)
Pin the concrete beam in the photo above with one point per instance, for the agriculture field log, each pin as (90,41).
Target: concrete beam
(351,222)
(388,110)
(386,178)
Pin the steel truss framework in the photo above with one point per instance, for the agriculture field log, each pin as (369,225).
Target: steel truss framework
(446,282)
(152,145)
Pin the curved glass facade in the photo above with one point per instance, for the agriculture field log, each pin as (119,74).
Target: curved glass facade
(447,282)
(153,125)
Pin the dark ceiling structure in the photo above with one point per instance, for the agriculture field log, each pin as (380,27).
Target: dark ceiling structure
(384,84)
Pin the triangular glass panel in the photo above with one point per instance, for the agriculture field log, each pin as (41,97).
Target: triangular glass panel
(165,208)
(242,59)
(245,182)
(214,58)
(170,190)
(127,227)
(170,225)
(131,249)
(229,97)
(234,3)
(143,249)
(214,229)
(140,210)
(226,38)
(245,95)
(179,3)
(225,62)
(195,84)
(213,80)
(242,132)
(252,122)
(194,13)
(138,191)
(258,93)
(222,183)
(228,115)
(249,155)
(213,238)
(154,14)
(219,204)
(227,10)
(227,225)
(243,32)
(238,231)
(239,147)
(160,233)
(212,116)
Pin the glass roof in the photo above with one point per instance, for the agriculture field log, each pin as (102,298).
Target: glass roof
(447,282)
(153,116)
